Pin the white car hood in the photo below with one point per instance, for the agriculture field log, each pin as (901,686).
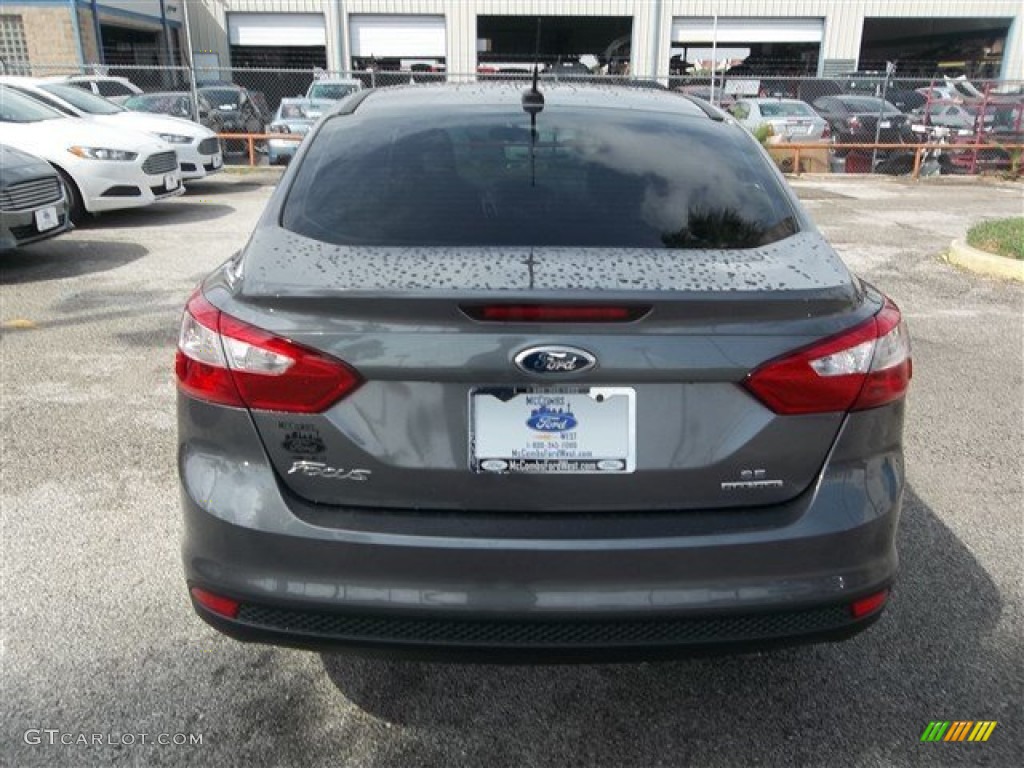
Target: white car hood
(51,138)
(151,123)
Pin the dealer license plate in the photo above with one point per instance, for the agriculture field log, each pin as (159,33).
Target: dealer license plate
(885,124)
(565,430)
(216,161)
(170,182)
(46,218)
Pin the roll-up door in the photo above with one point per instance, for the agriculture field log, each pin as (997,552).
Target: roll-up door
(746,31)
(273,29)
(377,36)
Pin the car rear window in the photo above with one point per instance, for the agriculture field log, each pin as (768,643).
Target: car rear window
(224,98)
(84,100)
(785,109)
(148,103)
(110,88)
(868,104)
(332,91)
(587,177)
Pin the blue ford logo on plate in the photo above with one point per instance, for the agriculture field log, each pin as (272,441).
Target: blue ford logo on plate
(555,360)
(545,419)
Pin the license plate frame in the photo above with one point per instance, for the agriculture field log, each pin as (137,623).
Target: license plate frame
(46,219)
(536,430)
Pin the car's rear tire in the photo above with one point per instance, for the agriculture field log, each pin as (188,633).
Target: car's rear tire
(76,207)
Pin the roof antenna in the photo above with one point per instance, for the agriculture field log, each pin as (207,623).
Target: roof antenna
(533,104)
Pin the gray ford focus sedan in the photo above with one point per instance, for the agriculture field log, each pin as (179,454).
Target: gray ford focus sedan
(562,373)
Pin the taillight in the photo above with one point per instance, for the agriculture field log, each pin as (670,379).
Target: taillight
(223,360)
(863,368)
(827,132)
(853,122)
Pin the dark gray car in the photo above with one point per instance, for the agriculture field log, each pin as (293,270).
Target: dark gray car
(562,375)
(33,205)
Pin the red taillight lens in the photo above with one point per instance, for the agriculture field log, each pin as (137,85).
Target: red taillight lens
(555,313)
(868,605)
(826,132)
(223,360)
(863,368)
(223,606)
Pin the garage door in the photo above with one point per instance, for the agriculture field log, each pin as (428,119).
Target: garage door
(397,36)
(289,29)
(733,30)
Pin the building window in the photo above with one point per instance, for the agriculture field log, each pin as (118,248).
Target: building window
(13,48)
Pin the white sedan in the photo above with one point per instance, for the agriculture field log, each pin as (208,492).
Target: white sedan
(790,118)
(198,148)
(102,168)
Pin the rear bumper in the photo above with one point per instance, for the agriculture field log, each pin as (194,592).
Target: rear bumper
(474,584)
(562,639)
(278,149)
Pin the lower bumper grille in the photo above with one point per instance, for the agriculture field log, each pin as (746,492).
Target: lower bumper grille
(161,162)
(123,190)
(583,633)
(29,231)
(163,191)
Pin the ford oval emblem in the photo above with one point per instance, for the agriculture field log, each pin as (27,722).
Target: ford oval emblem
(555,360)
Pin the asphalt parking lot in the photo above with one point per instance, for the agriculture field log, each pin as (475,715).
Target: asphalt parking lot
(99,637)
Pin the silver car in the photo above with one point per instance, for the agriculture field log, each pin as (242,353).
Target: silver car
(566,374)
(956,116)
(292,119)
(790,118)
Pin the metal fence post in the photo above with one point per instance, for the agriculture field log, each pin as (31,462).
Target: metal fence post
(890,68)
(191,64)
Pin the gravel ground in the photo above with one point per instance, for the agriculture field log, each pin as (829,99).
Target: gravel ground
(99,638)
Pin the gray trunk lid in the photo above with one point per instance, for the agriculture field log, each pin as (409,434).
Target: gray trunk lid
(405,438)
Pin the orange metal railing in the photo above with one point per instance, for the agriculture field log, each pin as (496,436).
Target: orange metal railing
(252,138)
(795,149)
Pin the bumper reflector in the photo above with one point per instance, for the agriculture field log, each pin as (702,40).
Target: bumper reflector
(867,605)
(223,606)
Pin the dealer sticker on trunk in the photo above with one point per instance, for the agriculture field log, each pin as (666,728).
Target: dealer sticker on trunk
(565,430)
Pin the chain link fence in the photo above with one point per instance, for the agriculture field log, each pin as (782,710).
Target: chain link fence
(881,124)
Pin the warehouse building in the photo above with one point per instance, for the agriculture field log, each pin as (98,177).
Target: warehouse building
(646,38)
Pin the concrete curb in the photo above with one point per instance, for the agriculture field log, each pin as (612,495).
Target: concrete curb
(963,255)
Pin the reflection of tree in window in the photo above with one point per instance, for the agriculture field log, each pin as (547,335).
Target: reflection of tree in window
(724,228)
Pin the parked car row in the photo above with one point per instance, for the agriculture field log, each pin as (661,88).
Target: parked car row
(230,108)
(850,119)
(67,153)
(197,147)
